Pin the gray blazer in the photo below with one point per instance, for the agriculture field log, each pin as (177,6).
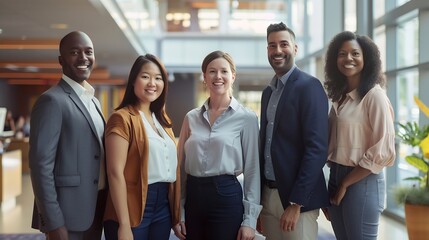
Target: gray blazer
(64,161)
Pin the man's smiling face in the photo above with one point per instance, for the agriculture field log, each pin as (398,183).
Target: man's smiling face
(77,56)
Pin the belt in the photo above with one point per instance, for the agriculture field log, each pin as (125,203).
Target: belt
(271,184)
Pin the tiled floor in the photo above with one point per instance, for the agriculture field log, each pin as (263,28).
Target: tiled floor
(18,219)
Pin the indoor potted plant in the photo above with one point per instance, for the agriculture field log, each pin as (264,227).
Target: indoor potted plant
(416,197)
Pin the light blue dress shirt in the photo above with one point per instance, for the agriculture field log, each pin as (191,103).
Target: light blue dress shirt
(277,85)
(229,146)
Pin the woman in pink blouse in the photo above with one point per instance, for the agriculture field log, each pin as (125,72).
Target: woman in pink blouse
(361,136)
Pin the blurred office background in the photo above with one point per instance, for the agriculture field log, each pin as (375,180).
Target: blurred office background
(182,32)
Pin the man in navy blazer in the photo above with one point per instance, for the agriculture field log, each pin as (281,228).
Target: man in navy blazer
(294,143)
(66,149)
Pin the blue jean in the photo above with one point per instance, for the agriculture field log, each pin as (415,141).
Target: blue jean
(357,216)
(214,207)
(156,222)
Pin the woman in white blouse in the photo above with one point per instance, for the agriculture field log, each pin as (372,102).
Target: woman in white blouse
(218,142)
(142,167)
(361,136)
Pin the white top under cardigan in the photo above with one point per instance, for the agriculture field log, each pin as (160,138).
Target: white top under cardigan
(162,163)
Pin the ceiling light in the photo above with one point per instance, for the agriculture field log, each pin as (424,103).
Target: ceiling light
(59,26)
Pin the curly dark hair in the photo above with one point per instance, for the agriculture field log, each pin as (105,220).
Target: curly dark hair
(336,83)
(130,98)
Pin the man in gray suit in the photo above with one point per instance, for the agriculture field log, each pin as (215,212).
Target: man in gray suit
(66,149)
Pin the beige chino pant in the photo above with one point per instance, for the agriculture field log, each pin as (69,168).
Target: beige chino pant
(305,229)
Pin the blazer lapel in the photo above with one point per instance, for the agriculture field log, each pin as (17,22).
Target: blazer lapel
(138,130)
(288,89)
(75,98)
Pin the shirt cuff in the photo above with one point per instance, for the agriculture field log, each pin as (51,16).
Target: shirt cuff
(251,214)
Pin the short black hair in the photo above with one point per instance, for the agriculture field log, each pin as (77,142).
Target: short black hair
(277,27)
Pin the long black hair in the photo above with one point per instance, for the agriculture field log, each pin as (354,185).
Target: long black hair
(130,98)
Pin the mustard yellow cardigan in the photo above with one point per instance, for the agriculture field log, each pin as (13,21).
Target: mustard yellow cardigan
(128,123)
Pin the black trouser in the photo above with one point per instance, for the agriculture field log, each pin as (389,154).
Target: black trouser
(214,207)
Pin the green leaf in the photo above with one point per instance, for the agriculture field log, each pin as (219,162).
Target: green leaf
(417,178)
(417,162)
(410,133)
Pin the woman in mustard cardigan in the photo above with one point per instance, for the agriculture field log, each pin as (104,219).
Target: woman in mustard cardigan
(143,200)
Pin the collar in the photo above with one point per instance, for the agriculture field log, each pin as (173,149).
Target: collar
(79,89)
(353,95)
(283,79)
(133,110)
(232,104)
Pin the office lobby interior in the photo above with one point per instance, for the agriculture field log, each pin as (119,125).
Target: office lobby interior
(181,33)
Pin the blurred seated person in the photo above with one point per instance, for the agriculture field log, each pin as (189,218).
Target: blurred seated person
(9,124)
(22,127)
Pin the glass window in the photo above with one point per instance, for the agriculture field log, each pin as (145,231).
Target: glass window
(407,112)
(225,16)
(251,99)
(407,40)
(315,24)
(379,8)
(298,18)
(401,2)
(139,17)
(380,40)
(350,15)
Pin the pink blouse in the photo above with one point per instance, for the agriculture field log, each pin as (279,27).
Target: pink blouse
(361,131)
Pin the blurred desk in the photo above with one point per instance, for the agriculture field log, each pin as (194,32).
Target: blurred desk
(23,145)
(10,178)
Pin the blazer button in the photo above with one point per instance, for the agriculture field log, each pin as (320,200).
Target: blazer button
(95,181)
(96,157)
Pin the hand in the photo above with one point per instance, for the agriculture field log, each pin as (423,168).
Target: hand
(339,195)
(290,217)
(180,230)
(326,212)
(246,233)
(58,234)
(125,233)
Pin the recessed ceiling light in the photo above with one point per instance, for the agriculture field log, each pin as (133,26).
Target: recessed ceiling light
(59,26)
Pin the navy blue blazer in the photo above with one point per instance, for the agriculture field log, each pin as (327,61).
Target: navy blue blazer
(300,141)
